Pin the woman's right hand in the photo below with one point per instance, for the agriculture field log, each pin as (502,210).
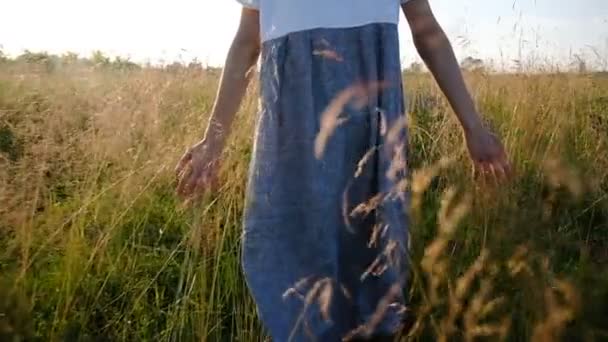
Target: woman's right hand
(197,169)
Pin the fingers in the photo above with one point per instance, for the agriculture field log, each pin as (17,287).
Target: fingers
(194,180)
(196,169)
(497,170)
(506,165)
(184,160)
(503,166)
(484,172)
(190,184)
(502,171)
(206,182)
(184,179)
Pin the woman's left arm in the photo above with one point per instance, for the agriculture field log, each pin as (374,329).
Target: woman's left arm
(436,51)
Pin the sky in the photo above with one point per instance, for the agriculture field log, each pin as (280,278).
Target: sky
(550,31)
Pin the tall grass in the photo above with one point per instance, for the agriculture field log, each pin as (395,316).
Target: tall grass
(94,245)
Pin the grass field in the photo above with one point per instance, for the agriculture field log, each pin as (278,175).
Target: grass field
(95,247)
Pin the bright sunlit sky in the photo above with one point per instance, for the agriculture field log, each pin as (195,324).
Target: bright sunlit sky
(163,30)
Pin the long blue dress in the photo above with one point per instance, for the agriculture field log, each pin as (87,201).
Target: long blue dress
(325,224)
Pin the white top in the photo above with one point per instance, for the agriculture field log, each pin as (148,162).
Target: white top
(281,17)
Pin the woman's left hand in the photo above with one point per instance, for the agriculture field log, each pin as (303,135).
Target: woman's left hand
(488,154)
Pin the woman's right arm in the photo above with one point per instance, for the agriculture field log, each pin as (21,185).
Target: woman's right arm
(241,59)
(196,171)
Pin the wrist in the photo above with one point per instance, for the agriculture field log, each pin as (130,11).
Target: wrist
(214,138)
(472,125)
(215,132)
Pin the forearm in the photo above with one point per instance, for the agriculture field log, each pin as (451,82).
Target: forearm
(239,66)
(436,51)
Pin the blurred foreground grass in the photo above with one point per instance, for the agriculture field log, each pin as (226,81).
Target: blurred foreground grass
(94,246)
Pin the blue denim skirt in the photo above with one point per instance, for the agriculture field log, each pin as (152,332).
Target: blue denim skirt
(325,225)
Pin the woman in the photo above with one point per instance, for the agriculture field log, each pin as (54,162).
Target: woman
(325,226)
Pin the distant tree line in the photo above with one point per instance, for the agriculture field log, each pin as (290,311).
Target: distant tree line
(577,64)
(97,59)
(467,64)
(51,62)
